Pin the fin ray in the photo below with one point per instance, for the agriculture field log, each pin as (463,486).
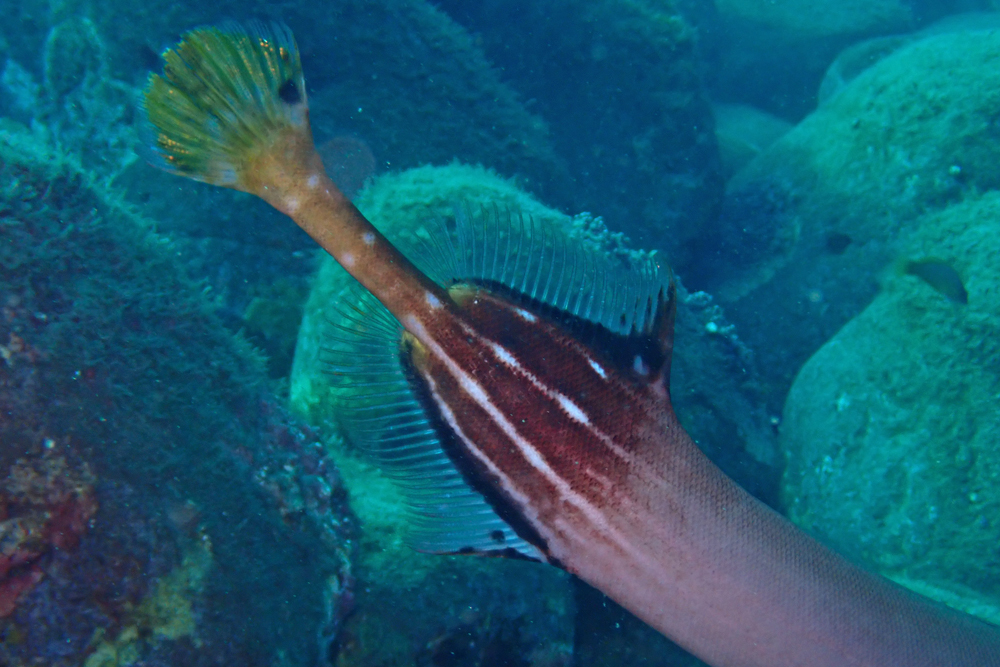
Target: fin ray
(448,516)
(547,265)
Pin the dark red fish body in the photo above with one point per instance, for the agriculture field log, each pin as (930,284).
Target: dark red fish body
(544,426)
(578,448)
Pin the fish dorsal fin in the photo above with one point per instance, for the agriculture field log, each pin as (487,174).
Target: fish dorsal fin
(562,268)
(619,302)
(380,413)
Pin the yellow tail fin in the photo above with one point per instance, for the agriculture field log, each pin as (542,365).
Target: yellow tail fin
(226,95)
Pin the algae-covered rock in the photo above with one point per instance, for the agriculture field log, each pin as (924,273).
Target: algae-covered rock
(809,224)
(157,505)
(858,57)
(854,60)
(743,132)
(891,428)
(773,52)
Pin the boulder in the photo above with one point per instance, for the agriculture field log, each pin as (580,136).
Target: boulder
(890,429)
(810,223)
(772,53)
(858,57)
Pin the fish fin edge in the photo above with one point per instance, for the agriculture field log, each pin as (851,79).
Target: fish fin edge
(380,412)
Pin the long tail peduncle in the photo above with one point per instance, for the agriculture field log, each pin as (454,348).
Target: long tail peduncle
(230,109)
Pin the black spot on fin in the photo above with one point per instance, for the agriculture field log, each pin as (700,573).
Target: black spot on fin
(380,412)
(662,336)
(289,92)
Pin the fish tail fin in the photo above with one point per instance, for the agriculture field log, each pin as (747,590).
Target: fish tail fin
(227,96)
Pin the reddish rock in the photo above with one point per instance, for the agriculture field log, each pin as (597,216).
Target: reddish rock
(45,504)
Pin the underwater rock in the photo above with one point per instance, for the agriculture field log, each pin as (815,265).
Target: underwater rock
(856,58)
(743,132)
(810,223)
(157,505)
(714,393)
(620,84)
(773,52)
(890,429)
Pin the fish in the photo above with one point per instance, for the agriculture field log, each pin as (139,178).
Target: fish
(546,400)
(941,276)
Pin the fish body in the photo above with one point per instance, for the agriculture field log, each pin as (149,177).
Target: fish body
(941,276)
(546,408)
